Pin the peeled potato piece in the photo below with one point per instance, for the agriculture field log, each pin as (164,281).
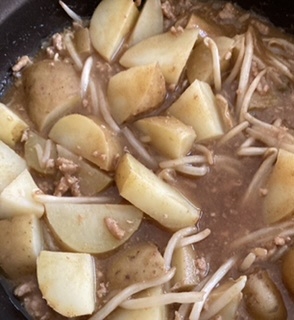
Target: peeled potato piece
(200,64)
(91,179)
(150,22)
(170,50)
(21,241)
(153,196)
(263,298)
(83,42)
(92,228)
(187,274)
(205,28)
(17,198)
(171,137)
(279,200)
(12,127)
(67,282)
(224,300)
(52,89)
(11,165)
(197,107)
(89,138)
(141,262)
(111,22)
(135,91)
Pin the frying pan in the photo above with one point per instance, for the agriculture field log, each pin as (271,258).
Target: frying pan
(25,23)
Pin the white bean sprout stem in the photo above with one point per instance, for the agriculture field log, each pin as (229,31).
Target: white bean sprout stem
(72,51)
(237,65)
(233,132)
(71,13)
(85,77)
(185,241)
(212,282)
(249,93)
(260,175)
(192,171)
(180,161)
(173,242)
(245,69)
(163,299)
(215,62)
(123,295)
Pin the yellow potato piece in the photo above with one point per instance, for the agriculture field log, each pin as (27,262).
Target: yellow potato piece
(21,241)
(11,165)
(150,22)
(171,137)
(89,138)
(22,189)
(111,22)
(135,91)
(224,299)
(92,228)
(200,64)
(137,263)
(153,196)
(12,126)
(52,89)
(67,282)
(92,180)
(170,51)
(196,107)
(279,200)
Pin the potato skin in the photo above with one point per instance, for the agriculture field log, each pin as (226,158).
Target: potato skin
(52,90)
(142,262)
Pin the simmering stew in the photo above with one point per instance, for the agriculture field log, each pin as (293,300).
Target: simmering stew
(147,166)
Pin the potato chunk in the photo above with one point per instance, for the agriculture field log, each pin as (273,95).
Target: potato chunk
(141,262)
(11,165)
(170,50)
(89,138)
(67,282)
(263,298)
(92,228)
(187,275)
(21,241)
(111,22)
(171,137)
(200,64)
(156,198)
(150,22)
(22,189)
(197,107)
(135,91)
(92,180)
(12,127)
(279,200)
(224,300)
(52,90)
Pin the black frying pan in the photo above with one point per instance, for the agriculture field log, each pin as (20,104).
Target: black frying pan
(24,23)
